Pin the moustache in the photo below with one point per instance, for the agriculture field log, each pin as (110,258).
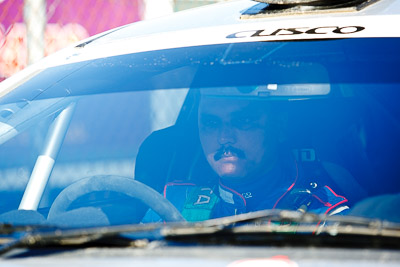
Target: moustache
(228,151)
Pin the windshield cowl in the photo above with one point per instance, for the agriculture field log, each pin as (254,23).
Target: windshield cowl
(269,227)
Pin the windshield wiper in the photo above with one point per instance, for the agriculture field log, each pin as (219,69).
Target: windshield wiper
(7,228)
(56,236)
(306,222)
(284,227)
(262,227)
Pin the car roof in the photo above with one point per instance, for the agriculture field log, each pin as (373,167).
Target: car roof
(234,13)
(230,22)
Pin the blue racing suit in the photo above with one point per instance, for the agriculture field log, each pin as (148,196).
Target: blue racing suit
(280,188)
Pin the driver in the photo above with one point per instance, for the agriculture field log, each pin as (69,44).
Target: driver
(243,142)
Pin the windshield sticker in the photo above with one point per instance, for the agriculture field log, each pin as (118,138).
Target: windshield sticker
(298,31)
(349,27)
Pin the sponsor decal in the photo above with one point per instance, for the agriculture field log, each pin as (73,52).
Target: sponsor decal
(247,195)
(323,30)
(204,199)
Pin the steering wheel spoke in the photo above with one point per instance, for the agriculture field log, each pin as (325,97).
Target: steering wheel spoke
(124,185)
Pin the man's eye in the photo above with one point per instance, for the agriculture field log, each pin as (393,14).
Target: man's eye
(209,123)
(244,123)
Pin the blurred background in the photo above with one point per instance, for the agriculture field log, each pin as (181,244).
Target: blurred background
(32,29)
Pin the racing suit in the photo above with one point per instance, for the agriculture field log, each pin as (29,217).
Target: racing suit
(280,188)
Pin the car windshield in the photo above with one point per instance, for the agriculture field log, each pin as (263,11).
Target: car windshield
(215,130)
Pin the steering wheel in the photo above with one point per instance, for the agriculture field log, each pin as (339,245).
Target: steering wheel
(119,184)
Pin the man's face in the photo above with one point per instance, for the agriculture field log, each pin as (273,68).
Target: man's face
(236,135)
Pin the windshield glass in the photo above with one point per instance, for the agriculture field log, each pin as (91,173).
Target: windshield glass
(205,132)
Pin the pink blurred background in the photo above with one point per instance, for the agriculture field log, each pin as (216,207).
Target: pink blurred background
(68,21)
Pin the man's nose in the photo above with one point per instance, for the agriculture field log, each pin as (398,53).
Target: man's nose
(226,135)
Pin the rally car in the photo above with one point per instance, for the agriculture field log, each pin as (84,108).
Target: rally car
(244,133)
